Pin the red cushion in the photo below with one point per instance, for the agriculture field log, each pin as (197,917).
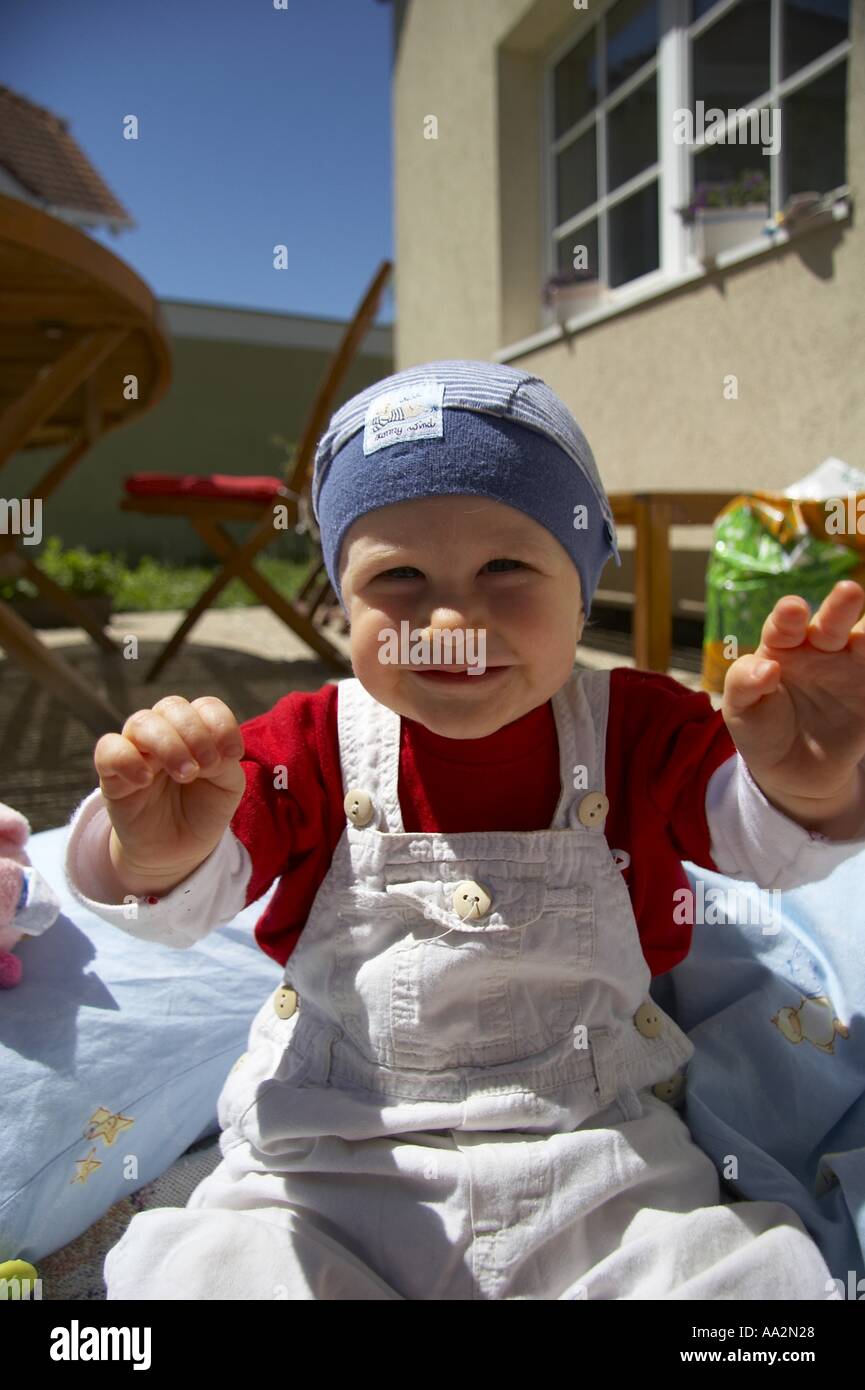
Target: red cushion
(224,485)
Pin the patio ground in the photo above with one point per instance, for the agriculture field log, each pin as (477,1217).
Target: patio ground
(246,656)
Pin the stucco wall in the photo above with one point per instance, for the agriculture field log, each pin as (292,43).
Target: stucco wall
(647,386)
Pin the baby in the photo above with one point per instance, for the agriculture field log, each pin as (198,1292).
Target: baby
(462,1088)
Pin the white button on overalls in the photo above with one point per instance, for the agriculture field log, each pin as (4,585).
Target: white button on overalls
(471,901)
(285,1002)
(672,1089)
(358,807)
(593,809)
(648,1020)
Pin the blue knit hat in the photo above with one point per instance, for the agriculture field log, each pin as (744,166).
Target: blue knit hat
(457,427)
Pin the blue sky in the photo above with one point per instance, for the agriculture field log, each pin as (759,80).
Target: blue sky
(257,126)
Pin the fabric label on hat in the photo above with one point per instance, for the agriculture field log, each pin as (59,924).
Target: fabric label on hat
(404,413)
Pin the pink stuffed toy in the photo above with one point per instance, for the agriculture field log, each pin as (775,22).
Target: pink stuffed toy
(28,905)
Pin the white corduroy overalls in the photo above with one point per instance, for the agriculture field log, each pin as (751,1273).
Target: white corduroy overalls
(452,1094)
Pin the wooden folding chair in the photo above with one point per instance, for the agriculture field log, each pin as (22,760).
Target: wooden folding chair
(209,501)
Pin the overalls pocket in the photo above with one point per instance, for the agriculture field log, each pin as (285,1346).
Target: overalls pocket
(479,969)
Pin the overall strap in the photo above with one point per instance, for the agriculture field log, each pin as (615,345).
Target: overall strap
(581,709)
(369,739)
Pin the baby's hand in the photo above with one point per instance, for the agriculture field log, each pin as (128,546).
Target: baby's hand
(171,781)
(796,707)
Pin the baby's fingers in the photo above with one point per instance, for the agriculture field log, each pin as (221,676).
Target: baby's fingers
(221,725)
(747,681)
(120,766)
(170,739)
(195,725)
(790,623)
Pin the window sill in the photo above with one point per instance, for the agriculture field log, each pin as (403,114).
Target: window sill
(840,211)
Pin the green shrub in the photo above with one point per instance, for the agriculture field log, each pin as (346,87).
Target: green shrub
(76,570)
(152,585)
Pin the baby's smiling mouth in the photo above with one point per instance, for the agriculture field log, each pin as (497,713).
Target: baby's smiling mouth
(465,674)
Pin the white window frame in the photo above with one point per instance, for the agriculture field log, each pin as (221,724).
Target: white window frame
(778,88)
(672,170)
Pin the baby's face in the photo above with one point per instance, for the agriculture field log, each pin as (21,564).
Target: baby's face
(497,580)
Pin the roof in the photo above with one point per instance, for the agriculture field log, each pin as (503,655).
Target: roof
(37,150)
(231,323)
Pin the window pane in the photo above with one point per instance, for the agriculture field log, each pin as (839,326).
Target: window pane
(632,38)
(812,27)
(701,7)
(813,143)
(731,60)
(584,236)
(575,84)
(632,134)
(633,229)
(576,176)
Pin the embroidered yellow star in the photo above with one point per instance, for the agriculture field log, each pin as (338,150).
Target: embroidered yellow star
(104,1125)
(86,1166)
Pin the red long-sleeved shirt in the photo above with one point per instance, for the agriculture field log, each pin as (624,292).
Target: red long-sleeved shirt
(664,741)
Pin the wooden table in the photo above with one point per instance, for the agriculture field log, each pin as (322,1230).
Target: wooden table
(652,514)
(83,350)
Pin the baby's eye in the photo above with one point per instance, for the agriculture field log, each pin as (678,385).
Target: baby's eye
(409,571)
(518,563)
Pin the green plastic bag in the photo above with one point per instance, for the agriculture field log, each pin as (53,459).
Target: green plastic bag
(759,554)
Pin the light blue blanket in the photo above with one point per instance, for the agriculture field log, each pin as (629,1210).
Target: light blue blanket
(112,1054)
(774,1002)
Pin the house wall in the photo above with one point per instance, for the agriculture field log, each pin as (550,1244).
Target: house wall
(238,378)
(646,385)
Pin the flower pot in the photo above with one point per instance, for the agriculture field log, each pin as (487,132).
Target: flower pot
(723,229)
(40,612)
(566,301)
